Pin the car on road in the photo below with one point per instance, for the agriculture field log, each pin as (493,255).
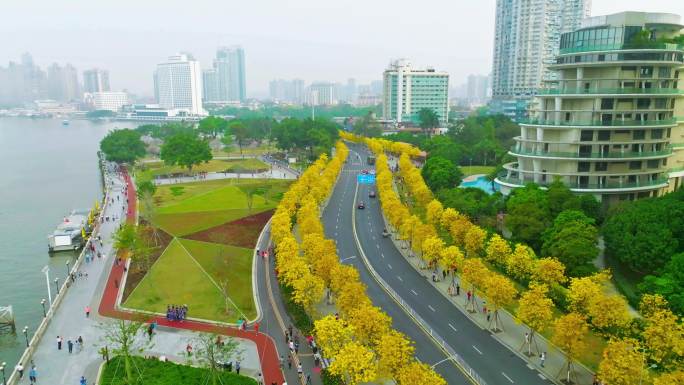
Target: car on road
(364,172)
(371,194)
(385,233)
(361,205)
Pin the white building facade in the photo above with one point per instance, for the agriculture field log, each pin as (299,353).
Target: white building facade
(109,100)
(178,84)
(407,90)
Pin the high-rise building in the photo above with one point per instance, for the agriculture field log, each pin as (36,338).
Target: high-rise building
(109,100)
(63,83)
(612,123)
(290,91)
(526,39)
(179,84)
(210,83)
(230,68)
(22,83)
(321,94)
(407,90)
(477,89)
(95,80)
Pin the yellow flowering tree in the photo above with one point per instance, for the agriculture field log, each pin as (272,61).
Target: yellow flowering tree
(433,212)
(569,334)
(536,311)
(671,378)
(520,262)
(370,323)
(549,271)
(432,249)
(394,352)
(500,292)
(417,373)
(449,215)
(332,334)
(355,363)
(498,250)
(474,241)
(664,333)
(622,363)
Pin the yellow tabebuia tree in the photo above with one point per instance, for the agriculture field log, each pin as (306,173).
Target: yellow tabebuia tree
(622,363)
(351,296)
(500,292)
(394,352)
(520,262)
(433,212)
(663,334)
(451,258)
(569,334)
(474,241)
(417,373)
(671,378)
(498,250)
(355,363)
(584,290)
(609,312)
(458,229)
(333,334)
(535,309)
(308,291)
(432,249)
(449,215)
(370,323)
(549,271)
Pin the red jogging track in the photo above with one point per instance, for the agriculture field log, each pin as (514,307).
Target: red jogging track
(268,355)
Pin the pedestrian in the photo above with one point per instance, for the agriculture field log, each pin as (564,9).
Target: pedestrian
(300,371)
(256,328)
(289,329)
(83,381)
(308,379)
(489,315)
(292,346)
(188,349)
(237,366)
(444,274)
(282,362)
(80,343)
(20,369)
(70,345)
(469,295)
(33,374)
(458,289)
(289,361)
(259,379)
(59,343)
(542,358)
(87,311)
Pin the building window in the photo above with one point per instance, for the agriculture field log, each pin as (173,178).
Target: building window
(646,72)
(638,134)
(643,103)
(604,135)
(664,72)
(586,136)
(606,104)
(583,167)
(635,165)
(653,163)
(601,166)
(657,133)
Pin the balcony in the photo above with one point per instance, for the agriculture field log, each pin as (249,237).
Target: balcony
(593,155)
(599,123)
(575,186)
(622,46)
(609,91)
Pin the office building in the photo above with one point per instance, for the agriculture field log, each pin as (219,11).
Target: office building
(321,94)
(178,84)
(526,39)
(62,83)
(109,100)
(22,83)
(407,90)
(288,91)
(95,80)
(230,68)
(210,84)
(611,124)
(477,89)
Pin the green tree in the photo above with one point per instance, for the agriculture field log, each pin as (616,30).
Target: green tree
(528,214)
(240,132)
(212,349)
(471,201)
(440,173)
(185,150)
(122,146)
(212,125)
(124,338)
(572,239)
(125,238)
(669,283)
(429,120)
(368,126)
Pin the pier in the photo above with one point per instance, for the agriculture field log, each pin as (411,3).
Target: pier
(7,324)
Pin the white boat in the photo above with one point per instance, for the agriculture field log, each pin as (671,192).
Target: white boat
(65,122)
(69,234)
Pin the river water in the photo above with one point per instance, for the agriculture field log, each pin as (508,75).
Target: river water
(46,170)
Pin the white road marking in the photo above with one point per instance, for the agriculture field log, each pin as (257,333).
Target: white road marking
(382,255)
(390,266)
(431,308)
(378,246)
(452,327)
(541,376)
(478,350)
(508,378)
(399,278)
(414,292)
(373,237)
(530,366)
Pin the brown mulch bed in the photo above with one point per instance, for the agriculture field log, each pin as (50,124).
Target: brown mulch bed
(243,232)
(136,275)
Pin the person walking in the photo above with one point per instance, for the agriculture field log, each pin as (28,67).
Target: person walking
(87,311)
(289,361)
(33,374)
(83,381)
(237,366)
(20,369)
(300,371)
(80,343)
(542,358)
(70,345)
(59,343)
(256,327)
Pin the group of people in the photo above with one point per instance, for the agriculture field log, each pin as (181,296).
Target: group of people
(78,342)
(33,372)
(176,313)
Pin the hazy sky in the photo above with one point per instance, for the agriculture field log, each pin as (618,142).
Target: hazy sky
(308,39)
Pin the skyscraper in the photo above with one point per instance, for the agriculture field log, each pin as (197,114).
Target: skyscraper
(179,84)
(63,83)
(22,82)
(321,94)
(95,80)
(230,68)
(291,91)
(407,90)
(210,82)
(526,39)
(476,89)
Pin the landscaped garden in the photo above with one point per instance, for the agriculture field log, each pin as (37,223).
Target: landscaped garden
(246,165)
(211,230)
(155,372)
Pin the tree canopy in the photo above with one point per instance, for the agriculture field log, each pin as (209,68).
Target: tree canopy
(440,173)
(572,239)
(528,214)
(122,146)
(185,150)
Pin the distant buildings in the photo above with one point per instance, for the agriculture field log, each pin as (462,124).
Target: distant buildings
(289,91)
(225,81)
(109,100)
(526,39)
(407,90)
(210,84)
(63,83)
(178,84)
(22,83)
(321,94)
(95,80)
(477,89)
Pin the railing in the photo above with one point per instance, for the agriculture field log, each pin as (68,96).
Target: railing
(591,155)
(587,186)
(610,123)
(640,91)
(622,46)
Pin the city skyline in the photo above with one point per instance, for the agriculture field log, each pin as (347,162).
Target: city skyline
(283,48)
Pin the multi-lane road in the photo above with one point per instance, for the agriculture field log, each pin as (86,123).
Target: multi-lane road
(492,361)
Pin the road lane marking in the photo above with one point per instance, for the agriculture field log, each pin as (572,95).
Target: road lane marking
(373,237)
(382,255)
(399,278)
(378,246)
(541,376)
(431,308)
(508,378)
(414,292)
(390,266)
(530,366)
(478,350)
(452,327)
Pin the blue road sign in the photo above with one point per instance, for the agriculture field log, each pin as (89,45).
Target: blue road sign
(365,178)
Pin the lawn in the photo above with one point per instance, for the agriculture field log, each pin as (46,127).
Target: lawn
(155,372)
(168,195)
(476,170)
(224,198)
(214,165)
(182,224)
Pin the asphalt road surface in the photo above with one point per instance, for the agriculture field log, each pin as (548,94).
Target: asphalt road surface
(492,361)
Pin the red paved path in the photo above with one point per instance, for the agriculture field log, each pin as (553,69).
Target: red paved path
(268,356)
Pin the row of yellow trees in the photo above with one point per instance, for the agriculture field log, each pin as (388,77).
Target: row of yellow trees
(359,340)
(449,240)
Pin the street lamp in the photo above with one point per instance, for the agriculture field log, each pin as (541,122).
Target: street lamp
(2,369)
(57,285)
(42,302)
(26,335)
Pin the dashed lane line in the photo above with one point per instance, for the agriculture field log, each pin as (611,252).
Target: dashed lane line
(431,308)
(452,327)
(400,279)
(390,266)
(508,378)
(476,349)
(414,292)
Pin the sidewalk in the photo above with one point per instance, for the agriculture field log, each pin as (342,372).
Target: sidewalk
(276,172)
(513,334)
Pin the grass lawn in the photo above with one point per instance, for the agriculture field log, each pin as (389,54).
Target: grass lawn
(475,170)
(227,264)
(214,165)
(187,223)
(168,195)
(224,198)
(155,372)
(177,279)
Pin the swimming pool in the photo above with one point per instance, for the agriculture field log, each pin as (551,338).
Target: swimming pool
(483,184)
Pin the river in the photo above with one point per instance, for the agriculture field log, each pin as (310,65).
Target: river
(46,170)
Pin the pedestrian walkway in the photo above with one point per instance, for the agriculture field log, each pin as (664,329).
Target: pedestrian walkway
(276,172)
